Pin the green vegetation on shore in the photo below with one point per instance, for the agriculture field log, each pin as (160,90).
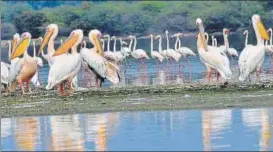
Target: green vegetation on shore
(126,17)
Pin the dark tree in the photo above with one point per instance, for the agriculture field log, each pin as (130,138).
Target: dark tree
(30,22)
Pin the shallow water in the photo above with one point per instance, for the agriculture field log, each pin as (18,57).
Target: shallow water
(225,129)
(164,75)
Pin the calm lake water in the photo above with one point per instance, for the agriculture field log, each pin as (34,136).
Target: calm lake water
(133,76)
(225,129)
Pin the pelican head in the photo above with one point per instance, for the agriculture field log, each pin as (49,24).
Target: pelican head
(74,39)
(257,24)
(51,33)
(16,39)
(22,45)
(94,37)
(201,34)
(269,30)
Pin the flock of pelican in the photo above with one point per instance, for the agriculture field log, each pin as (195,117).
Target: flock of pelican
(65,62)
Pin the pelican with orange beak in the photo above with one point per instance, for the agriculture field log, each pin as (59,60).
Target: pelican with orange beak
(96,62)
(66,68)
(252,56)
(211,56)
(49,38)
(26,67)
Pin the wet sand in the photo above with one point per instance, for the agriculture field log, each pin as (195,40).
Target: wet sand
(167,97)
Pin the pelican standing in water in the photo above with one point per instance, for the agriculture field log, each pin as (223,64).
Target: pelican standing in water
(211,56)
(63,71)
(252,56)
(102,68)
(26,67)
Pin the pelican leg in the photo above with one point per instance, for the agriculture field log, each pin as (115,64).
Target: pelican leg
(28,87)
(258,70)
(6,90)
(62,89)
(22,87)
(217,76)
(209,71)
(70,89)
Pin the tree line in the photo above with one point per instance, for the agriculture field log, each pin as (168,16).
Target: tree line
(127,17)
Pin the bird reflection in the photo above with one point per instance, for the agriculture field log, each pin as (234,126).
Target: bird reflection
(5,127)
(213,123)
(99,127)
(66,134)
(252,118)
(27,132)
(265,131)
(206,130)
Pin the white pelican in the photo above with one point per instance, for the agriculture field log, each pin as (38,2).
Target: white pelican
(109,55)
(35,79)
(26,67)
(62,71)
(97,63)
(252,56)
(52,31)
(211,56)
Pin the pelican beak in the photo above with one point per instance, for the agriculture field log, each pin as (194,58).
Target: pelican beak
(21,48)
(70,41)
(203,41)
(14,44)
(46,38)
(262,30)
(97,44)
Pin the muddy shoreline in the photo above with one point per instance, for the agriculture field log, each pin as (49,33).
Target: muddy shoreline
(135,98)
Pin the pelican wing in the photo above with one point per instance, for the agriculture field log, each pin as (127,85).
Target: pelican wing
(250,59)
(100,65)
(186,51)
(15,68)
(216,59)
(64,67)
(157,56)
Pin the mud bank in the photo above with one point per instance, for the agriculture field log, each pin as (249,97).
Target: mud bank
(166,97)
